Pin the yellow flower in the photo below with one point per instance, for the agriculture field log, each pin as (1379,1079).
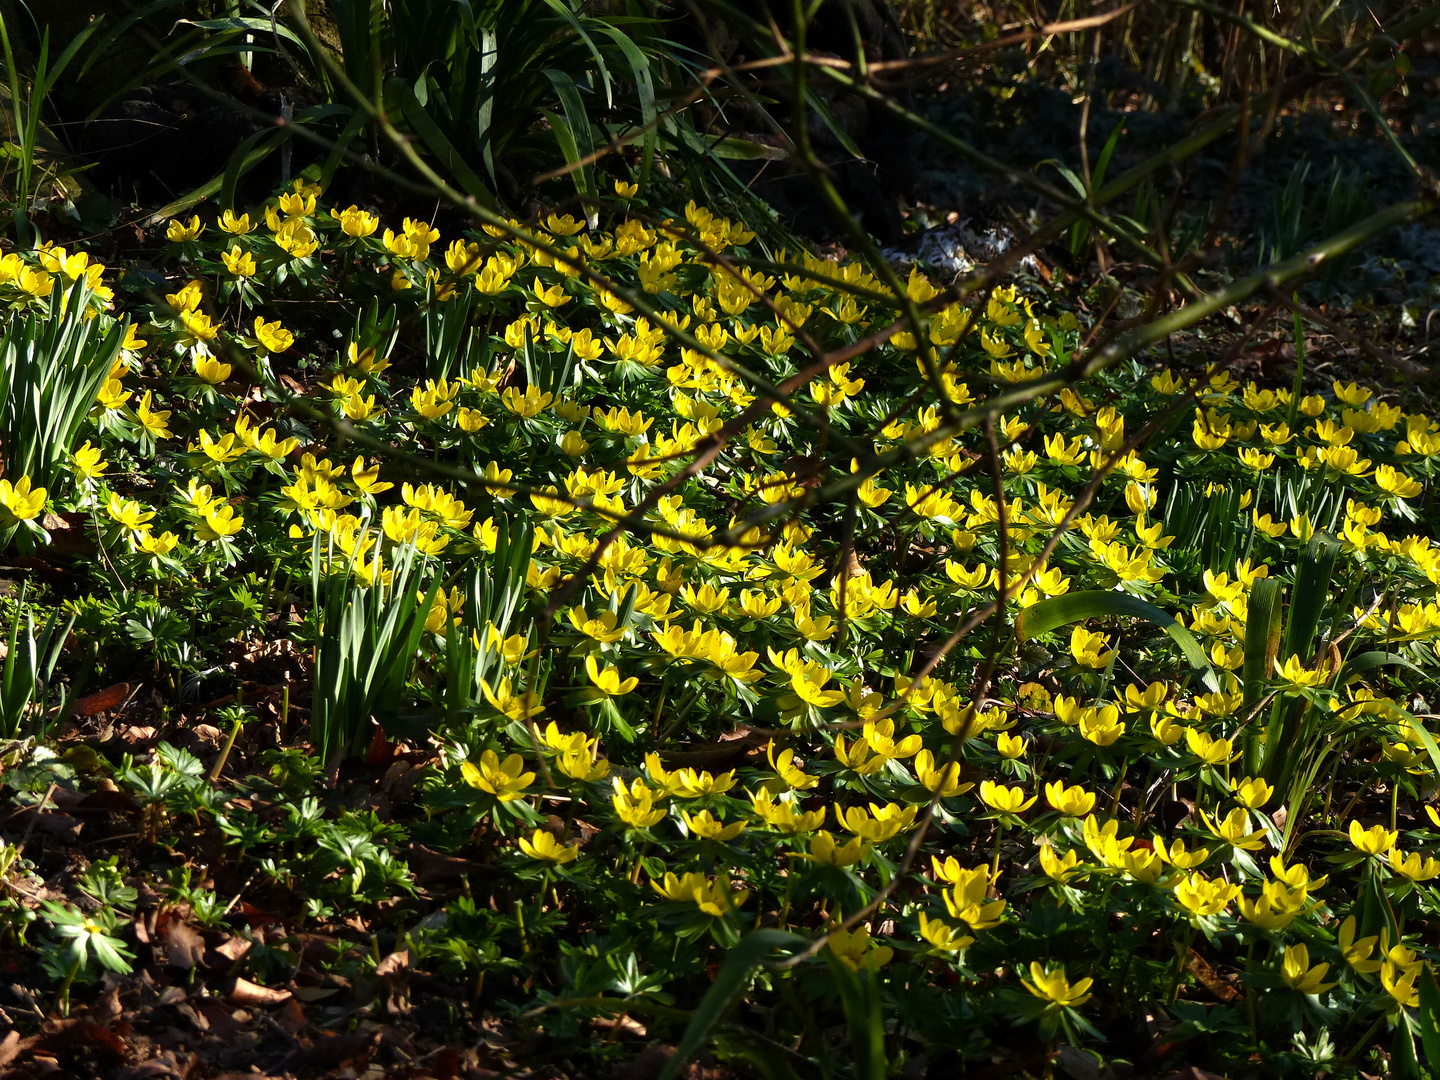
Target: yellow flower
(1011,746)
(887,822)
(506,780)
(1234,830)
(1294,673)
(945,782)
(1357,953)
(223,450)
(177,231)
(1256,460)
(1102,726)
(531,402)
(19,501)
(235,226)
(1069,801)
(113,395)
(1412,866)
(608,682)
(635,805)
(855,950)
(544,847)
(1178,857)
(808,683)
(941,935)
(554,296)
(210,370)
(218,521)
(1209,750)
(272,336)
(783,816)
(711,897)
(859,756)
(821,629)
(35,283)
(966,900)
(1299,975)
(706,827)
(239,262)
(689,783)
(515,706)
(1394,482)
(603,628)
(1007,800)
(88,461)
(1201,896)
(1060,869)
(1054,988)
(368,479)
(128,513)
(786,769)
(1253,793)
(1400,985)
(1166,730)
(823,849)
(565,224)
(155,545)
(1089,648)
(356,223)
(1275,908)
(1376,840)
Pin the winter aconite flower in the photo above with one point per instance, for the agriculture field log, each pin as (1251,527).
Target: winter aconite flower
(1089,648)
(941,935)
(544,847)
(1376,840)
(271,336)
(1069,801)
(1412,866)
(1055,988)
(211,370)
(1006,800)
(1299,975)
(607,681)
(712,896)
(855,950)
(19,501)
(1202,897)
(706,827)
(506,780)
(178,231)
(1400,984)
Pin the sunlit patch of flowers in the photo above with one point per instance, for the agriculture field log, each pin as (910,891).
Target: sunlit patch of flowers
(1103,808)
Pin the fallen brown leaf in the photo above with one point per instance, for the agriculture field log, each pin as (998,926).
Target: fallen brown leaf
(248,993)
(112,697)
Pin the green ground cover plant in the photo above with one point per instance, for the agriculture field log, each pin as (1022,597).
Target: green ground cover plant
(621,642)
(741,676)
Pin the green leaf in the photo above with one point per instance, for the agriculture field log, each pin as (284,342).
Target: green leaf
(579,145)
(449,158)
(1310,595)
(1371,660)
(1262,637)
(860,997)
(1423,736)
(1076,607)
(1427,1018)
(730,980)
(734,148)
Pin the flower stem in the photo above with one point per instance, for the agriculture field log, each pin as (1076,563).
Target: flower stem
(1181,954)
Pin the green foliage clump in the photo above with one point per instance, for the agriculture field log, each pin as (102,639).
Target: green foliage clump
(737,624)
